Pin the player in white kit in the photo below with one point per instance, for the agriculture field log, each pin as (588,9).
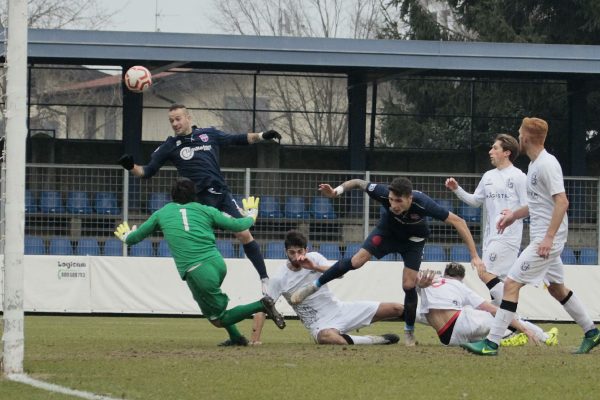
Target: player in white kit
(459,315)
(540,261)
(328,319)
(499,189)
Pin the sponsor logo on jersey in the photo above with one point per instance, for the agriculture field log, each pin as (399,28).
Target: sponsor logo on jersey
(178,143)
(534,179)
(493,256)
(204,137)
(187,153)
(524,266)
(509,183)
(371,187)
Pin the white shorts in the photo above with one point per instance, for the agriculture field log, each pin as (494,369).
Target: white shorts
(533,269)
(499,257)
(471,325)
(347,317)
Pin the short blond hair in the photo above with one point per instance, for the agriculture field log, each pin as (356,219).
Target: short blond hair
(537,128)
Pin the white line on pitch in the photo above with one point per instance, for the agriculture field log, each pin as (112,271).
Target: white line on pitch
(22,378)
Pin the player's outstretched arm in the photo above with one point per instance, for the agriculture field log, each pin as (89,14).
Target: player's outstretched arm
(126,161)
(254,137)
(328,191)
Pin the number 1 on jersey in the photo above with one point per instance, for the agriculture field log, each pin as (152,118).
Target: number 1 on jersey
(183,212)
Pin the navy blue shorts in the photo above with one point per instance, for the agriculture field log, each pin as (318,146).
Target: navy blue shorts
(380,243)
(221,200)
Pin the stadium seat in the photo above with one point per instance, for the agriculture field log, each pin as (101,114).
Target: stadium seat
(88,247)
(78,203)
(295,207)
(330,251)
(389,257)
(434,252)
(459,253)
(352,249)
(469,214)
(106,203)
(60,246)
(588,256)
(51,202)
(225,247)
(275,250)
(568,256)
(34,245)
(113,247)
(157,200)
(30,202)
(447,204)
(163,249)
(142,249)
(322,208)
(269,207)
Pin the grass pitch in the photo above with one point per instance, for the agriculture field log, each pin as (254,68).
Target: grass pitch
(178,358)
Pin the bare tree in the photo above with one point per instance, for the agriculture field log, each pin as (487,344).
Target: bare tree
(315,105)
(58,14)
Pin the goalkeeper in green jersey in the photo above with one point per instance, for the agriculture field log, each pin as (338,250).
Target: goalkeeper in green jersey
(188,228)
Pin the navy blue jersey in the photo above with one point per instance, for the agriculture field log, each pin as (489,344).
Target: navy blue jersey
(413,221)
(196,156)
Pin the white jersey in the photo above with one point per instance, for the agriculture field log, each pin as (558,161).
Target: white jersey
(545,179)
(499,189)
(315,307)
(447,294)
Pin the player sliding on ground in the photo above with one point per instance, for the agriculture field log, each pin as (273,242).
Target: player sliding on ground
(188,228)
(328,319)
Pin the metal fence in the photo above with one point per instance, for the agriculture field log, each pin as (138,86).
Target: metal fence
(74,209)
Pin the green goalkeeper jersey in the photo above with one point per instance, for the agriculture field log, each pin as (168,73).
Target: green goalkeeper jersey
(189,231)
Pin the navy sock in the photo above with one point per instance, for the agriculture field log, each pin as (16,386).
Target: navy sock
(252,251)
(410,307)
(335,271)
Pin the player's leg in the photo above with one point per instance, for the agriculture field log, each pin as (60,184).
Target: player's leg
(573,306)
(412,254)
(498,257)
(387,311)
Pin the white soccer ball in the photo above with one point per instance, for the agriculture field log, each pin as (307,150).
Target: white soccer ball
(138,79)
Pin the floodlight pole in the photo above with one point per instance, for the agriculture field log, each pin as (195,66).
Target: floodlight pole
(16,133)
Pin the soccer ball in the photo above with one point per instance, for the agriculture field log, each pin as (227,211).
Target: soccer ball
(138,79)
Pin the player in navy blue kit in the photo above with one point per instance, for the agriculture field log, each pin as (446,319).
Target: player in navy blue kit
(402,229)
(195,153)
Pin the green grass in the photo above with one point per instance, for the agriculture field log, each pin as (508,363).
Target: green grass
(177,358)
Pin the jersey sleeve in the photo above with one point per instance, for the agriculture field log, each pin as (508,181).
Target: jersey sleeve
(378,193)
(477,198)
(432,208)
(275,288)
(471,298)
(144,230)
(230,138)
(157,160)
(554,177)
(319,259)
(231,224)
(521,189)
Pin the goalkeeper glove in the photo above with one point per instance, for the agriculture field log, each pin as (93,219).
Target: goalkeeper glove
(251,207)
(270,134)
(126,161)
(123,231)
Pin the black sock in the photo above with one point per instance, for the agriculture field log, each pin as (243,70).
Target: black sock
(335,271)
(252,251)
(410,306)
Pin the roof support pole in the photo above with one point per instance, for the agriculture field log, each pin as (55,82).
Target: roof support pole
(357,121)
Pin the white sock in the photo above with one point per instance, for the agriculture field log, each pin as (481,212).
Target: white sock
(539,332)
(501,322)
(361,339)
(496,293)
(576,310)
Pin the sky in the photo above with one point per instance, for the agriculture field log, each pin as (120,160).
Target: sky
(182,16)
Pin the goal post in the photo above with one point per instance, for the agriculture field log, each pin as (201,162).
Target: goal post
(13,338)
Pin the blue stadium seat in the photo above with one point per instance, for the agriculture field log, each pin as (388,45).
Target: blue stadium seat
(88,247)
(163,249)
(459,253)
(330,251)
(225,247)
(113,247)
(30,202)
(142,249)
(157,200)
(447,204)
(389,257)
(269,207)
(469,214)
(322,208)
(78,203)
(60,246)
(51,202)
(352,249)
(275,250)
(568,256)
(34,245)
(434,252)
(106,203)
(295,207)
(588,256)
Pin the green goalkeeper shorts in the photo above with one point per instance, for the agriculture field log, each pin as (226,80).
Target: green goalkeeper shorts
(205,284)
